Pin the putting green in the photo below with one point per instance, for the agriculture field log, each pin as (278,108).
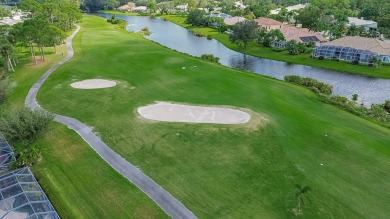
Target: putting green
(221,171)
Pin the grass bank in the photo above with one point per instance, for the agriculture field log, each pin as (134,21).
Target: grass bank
(77,181)
(221,171)
(265,52)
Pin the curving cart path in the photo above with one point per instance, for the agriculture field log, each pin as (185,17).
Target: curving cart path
(160,196)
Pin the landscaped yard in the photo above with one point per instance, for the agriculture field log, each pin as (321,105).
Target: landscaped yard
(265,52)
(217,171)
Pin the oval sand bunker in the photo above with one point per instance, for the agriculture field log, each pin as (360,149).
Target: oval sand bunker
(170,112)
(93,84)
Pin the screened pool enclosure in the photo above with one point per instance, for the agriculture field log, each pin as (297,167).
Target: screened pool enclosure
(6,154)
(20,194)
(22,197)
(344,53)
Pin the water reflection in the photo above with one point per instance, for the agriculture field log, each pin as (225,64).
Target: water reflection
(175,37)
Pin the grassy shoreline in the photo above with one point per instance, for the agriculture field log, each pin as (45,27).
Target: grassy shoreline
(224,171)
(265,52)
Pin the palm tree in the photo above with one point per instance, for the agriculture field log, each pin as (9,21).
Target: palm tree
(353,30)
(301,195)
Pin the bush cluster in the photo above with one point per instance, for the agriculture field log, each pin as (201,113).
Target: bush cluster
(377,112)
(22,127)
(5,88)
(114,20)
(210,58)
(311,83)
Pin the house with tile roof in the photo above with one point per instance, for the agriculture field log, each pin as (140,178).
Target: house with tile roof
(268,23)
(233,20)
(355,49)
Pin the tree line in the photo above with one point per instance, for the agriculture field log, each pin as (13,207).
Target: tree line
(46,25)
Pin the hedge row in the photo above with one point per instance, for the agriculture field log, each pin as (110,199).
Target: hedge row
(311,83)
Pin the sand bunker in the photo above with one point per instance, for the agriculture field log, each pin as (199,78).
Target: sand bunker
(170,112)
(93,84)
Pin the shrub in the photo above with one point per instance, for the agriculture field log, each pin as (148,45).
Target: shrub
(210,58)
(354,97)
(387,105)
(315,85)
(209,37)
(277,49)
(23,126)
(355,62)
(26,156)
(311,44)
(198,34)
(321,58)
(145,31)
(5,90)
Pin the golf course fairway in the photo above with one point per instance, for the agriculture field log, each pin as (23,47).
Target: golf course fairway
(217,170)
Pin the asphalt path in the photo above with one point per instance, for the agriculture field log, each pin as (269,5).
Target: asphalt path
(160,196)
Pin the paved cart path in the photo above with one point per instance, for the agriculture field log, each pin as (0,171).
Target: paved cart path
(161,197)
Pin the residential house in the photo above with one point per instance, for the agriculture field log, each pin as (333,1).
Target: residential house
(233,20)
(355,49)
(268,23)
(367,24)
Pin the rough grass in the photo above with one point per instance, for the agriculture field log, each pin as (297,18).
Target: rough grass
(223,171)
(265,52)
(77,181)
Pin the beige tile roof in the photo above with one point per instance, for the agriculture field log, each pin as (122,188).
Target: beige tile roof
(233,20)
(371,44)
(293,33)
(264,21)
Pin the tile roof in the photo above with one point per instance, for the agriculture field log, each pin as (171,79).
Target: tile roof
(364,43)
(233,20)
(264,21)
(293,33)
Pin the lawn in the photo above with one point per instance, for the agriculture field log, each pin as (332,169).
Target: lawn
(224,171)
(77,181)
(265,52)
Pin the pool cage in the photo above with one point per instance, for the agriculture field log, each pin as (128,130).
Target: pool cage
(22,197)
(344,53)
(6,154)
(20,194)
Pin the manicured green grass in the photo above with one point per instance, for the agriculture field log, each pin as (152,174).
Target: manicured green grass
(77,181)
(224,171)
(119,12)
(265,52)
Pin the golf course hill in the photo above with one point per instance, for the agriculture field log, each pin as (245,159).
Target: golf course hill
(216,170)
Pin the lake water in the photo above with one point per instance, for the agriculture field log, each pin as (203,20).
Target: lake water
(370,90)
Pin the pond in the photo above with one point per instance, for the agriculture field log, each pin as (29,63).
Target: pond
(370,90)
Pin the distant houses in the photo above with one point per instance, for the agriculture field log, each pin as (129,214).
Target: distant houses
(290,32)
(289,8)
(367,24)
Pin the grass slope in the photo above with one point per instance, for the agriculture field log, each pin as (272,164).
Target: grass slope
(77,181)
(265,52)
(221,171)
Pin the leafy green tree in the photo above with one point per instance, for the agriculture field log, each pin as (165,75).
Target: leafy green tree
(196,18)
(152,6)
(292,47)
(267,38)
(243,33)
(353,30)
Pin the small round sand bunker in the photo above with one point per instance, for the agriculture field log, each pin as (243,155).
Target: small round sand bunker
(93,84)
(170,112)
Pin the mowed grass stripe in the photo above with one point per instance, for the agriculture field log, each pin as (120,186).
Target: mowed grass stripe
(217,170)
